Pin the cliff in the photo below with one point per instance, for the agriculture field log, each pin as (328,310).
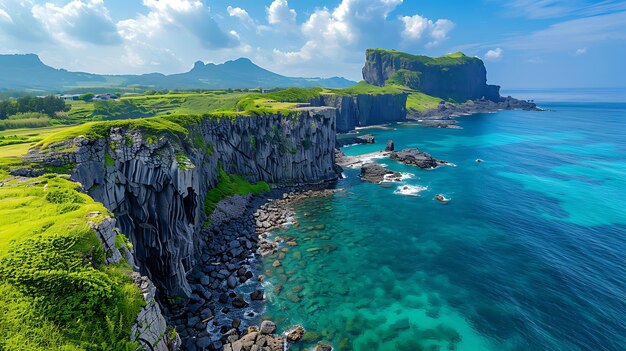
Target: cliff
(154,177)
(453,76)
(364,109)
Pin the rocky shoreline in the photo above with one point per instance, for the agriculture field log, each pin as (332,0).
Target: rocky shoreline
(444,115)
(228,296)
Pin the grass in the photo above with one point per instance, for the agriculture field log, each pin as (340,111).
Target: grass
(25,120)
(229,185)
(174,113)
(363,87)
(155,126)
(456,58)
(15,143)
(55,291)
(421,102)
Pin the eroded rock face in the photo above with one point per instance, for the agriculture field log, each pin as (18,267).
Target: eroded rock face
(156,186)
(463,80)
(364,109)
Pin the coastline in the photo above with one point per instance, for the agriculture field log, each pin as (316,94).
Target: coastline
(227,306)
(444,115)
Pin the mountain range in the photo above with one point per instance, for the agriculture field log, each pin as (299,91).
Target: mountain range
(28,72)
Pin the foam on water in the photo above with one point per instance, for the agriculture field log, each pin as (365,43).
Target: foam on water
(409,190)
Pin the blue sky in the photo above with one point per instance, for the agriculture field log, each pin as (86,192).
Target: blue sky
(524,43)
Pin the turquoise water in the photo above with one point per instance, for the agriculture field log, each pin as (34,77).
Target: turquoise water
(529,254)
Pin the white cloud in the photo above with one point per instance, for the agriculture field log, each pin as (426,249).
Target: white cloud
(4,16)
(78,21)
(19,23)
(568,36)
(580,51)
(340,35)
(494,55)
(542,9)
(280,13)
(417,27)
(187,15)
(241,14)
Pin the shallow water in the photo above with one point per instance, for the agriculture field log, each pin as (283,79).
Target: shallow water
(528,254)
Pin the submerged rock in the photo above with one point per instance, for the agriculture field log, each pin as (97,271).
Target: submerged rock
(322,346)
(295,334)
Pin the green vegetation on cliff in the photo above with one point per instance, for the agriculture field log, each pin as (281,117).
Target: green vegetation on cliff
(421,102)
(457,58)
(56,293)
(364,88)
(229,185)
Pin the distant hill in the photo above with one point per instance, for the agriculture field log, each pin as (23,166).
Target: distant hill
(20,72)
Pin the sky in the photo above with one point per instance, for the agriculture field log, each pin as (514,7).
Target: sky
(524,43)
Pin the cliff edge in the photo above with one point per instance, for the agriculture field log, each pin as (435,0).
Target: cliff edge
(454,76)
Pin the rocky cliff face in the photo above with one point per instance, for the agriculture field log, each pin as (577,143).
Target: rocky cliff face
(155,185)
(364,109)
(454,76)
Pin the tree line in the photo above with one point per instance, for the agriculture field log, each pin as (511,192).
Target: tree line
(48,105)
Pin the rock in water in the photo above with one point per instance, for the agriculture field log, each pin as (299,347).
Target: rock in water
(267,327)
(323,347)
(375,173)
(367,138)
(295,334)
(414,157)
(351,140)
(390,146)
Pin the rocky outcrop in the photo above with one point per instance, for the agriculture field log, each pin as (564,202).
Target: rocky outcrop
(441,117)
(364,109)
(156,184)
(150,326)
(256,339)
(414,157)
(454,76)
(347,112)
(352,140)
(390,146)
(375,173)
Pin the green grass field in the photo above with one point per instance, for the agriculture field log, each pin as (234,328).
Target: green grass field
(56,293)
(421,102)
(14,143)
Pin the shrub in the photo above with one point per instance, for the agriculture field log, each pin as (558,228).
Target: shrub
(56,293)
(229,185)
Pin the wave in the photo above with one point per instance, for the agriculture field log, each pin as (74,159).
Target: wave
(390,178)
(409,190)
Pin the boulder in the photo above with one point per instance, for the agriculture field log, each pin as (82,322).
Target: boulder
(239,302)
(375,173)
(322,346)
(414,157)
(390,146)
(295,334)
(267,327)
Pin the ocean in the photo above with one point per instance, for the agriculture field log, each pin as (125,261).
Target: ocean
(528,254)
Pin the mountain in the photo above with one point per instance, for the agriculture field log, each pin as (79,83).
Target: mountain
(20,72)
(454,76)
